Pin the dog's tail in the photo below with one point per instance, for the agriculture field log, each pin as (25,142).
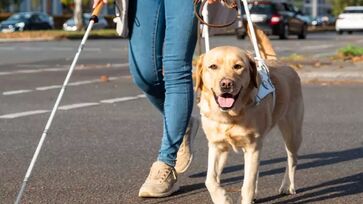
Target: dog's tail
(264,43)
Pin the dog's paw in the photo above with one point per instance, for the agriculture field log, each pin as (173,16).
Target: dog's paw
(286,190)
(222,199)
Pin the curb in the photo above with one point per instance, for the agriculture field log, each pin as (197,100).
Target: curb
(338,77)
(6,40)
(95,37)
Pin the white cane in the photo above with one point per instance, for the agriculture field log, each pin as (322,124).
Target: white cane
(94,19)
(205,28)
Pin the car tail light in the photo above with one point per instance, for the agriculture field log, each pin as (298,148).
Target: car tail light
(275,19)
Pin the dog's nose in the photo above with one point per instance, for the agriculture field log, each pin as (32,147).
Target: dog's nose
(226,85)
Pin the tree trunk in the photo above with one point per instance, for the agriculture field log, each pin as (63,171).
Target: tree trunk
(78,18)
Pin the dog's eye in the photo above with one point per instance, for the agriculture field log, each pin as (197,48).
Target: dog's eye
(213,66)
(237,66)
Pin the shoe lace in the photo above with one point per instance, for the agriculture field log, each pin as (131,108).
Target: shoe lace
(164,174)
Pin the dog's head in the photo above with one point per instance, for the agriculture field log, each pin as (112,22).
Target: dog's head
(226,73)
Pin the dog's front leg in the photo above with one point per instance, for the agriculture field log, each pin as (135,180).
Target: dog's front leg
(216,161)
(252,157)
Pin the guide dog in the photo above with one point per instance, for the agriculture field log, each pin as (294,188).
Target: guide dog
(227,82)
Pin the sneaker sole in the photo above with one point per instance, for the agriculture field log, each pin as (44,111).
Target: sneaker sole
(159,195)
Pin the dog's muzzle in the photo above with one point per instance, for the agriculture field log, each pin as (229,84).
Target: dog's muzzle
(226,99)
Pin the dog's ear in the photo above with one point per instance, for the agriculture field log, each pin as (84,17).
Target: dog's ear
(253,70)
(198,74)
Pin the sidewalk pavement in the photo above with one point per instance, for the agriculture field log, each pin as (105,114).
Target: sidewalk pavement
(336,73)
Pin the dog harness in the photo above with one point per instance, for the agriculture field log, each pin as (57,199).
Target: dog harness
(266,87)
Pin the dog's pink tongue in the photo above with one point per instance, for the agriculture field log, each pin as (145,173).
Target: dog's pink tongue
(225,102)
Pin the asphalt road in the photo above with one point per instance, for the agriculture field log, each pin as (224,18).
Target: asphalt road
(106,135)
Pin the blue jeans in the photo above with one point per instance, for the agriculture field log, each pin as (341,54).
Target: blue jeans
(163,35)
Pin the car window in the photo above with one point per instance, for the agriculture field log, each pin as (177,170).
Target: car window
(261,9)
(280,7)
(20,16)
(35,18)
(289,7)
(44,18)
(353,11)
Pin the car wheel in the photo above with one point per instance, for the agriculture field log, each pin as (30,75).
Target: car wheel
(350,32)
(340,32)
(303,32)
(284,32)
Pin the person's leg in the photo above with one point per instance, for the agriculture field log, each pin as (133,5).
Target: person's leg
(147,30)
(179,45)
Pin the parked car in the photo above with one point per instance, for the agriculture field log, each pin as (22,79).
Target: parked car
(350,20)
(27,21)
(276,18)
(70,25)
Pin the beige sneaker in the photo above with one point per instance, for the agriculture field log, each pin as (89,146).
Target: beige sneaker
(161,181)
(185,154)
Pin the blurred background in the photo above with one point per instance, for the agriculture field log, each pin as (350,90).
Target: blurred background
(318,12)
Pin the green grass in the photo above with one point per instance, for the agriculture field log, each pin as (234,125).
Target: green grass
(351,51)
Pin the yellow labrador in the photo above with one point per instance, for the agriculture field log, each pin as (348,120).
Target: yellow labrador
(227,81)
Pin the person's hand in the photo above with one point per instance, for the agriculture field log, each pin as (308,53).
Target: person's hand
(95,2)
(213,1)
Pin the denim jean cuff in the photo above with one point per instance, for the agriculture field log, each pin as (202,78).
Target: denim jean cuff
(166,160)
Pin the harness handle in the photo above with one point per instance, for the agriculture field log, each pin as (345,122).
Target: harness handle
(198,7)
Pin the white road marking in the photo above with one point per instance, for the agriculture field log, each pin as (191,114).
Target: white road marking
(5,73)
(54,69)
(80,67)
(28,71)
(22,114)
(45,88)
(115,100)
(72,106)
(122,99)
(16,92)
(77,105)
(141,96)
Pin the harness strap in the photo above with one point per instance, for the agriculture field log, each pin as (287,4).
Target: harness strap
(199,5)
(266,86)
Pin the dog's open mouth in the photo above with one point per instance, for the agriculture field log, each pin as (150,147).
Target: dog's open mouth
(226,101)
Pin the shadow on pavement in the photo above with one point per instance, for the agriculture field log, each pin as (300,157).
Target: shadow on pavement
(319,159)
(345,186)
(349,185)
